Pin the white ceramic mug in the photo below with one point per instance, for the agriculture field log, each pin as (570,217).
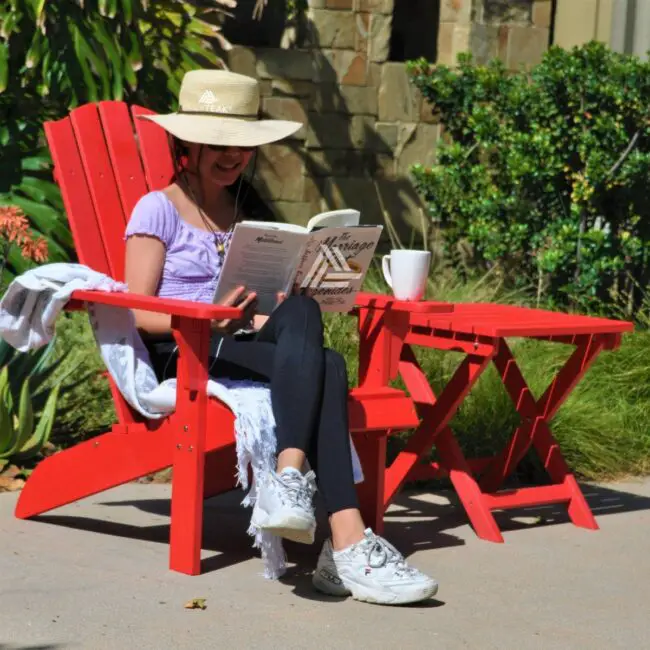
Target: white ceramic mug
(406,273)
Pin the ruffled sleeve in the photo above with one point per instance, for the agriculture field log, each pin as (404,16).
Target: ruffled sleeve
(153,215)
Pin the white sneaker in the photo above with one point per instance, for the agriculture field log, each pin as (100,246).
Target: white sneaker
(373,571)
(284,505)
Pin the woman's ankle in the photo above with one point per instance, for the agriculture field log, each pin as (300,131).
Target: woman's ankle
(293,458)
(347,528)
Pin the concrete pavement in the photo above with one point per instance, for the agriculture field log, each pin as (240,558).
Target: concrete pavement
(94,575)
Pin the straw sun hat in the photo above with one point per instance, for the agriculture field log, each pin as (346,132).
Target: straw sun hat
(219,107)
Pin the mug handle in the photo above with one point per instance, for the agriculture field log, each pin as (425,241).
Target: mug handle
(385,267)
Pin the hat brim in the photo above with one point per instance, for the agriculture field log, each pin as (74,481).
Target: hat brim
(224,131)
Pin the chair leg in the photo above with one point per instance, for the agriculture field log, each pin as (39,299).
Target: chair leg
(371,448)
(220,471)
(186,528)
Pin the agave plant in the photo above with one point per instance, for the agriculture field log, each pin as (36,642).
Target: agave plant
(38,367)
(20,438)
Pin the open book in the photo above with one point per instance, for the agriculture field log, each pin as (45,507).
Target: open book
(327,260)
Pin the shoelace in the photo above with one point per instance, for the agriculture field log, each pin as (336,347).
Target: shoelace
(387,554)
(299,490)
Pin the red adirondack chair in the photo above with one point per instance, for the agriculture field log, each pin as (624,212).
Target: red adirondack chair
(105,160)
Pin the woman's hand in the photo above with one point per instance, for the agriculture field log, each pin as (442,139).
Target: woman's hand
(237,298)
(260,319)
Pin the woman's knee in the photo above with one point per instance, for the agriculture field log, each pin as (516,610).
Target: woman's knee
(303,313)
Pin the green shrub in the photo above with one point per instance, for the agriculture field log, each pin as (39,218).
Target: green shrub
(88,407)
(545,174)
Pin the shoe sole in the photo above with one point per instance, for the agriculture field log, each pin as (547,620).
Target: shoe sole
(294,529)
(366,595)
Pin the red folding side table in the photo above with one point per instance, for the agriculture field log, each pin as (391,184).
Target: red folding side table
(387,336)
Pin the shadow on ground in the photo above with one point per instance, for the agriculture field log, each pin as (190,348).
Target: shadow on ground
(46,646)
(418,521)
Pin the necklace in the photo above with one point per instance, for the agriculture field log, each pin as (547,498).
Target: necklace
(221,238)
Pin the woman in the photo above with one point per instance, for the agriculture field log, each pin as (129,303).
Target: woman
(176,241)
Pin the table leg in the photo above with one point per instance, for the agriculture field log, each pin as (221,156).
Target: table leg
(535,431)
(436,413)
(371,448)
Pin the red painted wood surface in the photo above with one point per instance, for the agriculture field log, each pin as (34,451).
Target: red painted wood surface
(509,321)
(71,178)
(200,311)
(154,149)
(100,178)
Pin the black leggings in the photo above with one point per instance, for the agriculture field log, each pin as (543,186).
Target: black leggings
(309,389)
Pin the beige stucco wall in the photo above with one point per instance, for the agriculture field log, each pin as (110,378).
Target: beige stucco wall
(580,21)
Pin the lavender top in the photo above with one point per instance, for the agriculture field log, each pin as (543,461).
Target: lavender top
(192,262)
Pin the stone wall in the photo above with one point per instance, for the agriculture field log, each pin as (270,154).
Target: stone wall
(516,31)
(365,124)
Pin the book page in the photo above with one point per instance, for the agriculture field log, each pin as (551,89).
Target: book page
(263,261)
(272,225)
(334,219)
(334,264)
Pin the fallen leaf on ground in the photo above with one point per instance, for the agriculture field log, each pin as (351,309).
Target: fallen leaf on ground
(10,484)
(196,603)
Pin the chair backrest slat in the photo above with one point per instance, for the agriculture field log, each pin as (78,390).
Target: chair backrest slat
(105,161)
(71,178)
(123,153)
(154,148)
(102,184)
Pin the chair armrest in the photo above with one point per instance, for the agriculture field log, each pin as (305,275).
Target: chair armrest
(126,300)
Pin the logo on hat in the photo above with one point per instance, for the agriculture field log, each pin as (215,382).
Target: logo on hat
(210,102)
(208,98)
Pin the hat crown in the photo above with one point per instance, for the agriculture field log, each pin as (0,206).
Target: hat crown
(219,92)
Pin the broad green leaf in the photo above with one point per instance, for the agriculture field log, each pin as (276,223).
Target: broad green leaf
(7,352)
(8,22)
(39,189)
(46,356)
(4,66)
(41,434)
(25,418)
(82,49)
(7,429)
(201,28)
(35,163)
(134,53)
(36,9)
(36,50)
(115,58)
(127,11)
(5,386)
(17,262)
